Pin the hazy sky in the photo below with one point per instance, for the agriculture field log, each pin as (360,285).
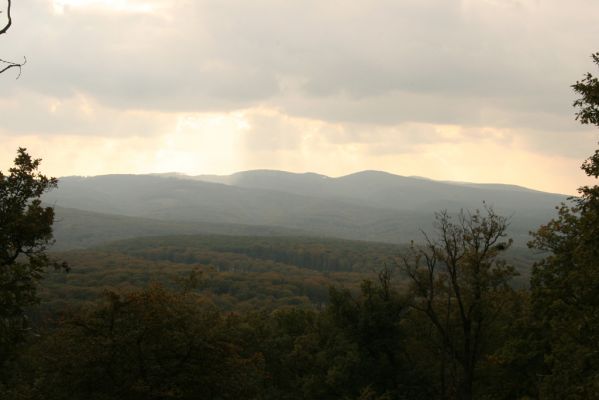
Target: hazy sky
(469,90)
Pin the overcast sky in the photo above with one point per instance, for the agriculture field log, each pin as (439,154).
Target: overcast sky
(467,90)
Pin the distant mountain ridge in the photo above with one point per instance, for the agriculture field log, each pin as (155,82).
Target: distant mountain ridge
(368,205)
(367,185)
(238,177)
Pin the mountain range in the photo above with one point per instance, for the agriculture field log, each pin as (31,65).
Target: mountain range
(368,205)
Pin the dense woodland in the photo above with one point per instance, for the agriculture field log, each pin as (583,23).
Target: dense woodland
(235,272)
(456,314)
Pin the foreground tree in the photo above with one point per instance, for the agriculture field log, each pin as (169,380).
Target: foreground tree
(145,344)
(565,284)
(353,349)
(459,285)
(379,366)
(25,233)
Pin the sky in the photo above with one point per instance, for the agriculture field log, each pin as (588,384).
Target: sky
(462,90)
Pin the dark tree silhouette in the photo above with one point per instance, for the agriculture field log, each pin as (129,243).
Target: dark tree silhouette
(565,284)
(460,284)
(4,64)
(25,235)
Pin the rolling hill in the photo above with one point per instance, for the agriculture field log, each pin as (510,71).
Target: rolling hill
(369,205)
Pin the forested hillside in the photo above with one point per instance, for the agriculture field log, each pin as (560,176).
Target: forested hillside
(77,229)
(275,316)
(237,272)
(371,206)
(291,316)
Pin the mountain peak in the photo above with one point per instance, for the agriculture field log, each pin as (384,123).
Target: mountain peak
(277,173)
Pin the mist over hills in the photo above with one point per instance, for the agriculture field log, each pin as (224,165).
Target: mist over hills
(385,190)
(79,229)
(368,205)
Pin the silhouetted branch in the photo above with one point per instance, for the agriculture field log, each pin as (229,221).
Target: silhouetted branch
(6,65)
(9,18)
(9,64)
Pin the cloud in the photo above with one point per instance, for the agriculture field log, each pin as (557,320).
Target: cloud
(256,138)
(224,55)
(28,112)
(335,86)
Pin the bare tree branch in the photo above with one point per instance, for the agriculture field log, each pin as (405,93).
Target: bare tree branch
(9,18)
(6,65)
(458,281)
(9,64)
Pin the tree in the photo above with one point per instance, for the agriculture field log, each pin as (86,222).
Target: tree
(565,284)
(4,64)
(373,324)
(25,233)
(459,284)
(144,344)
(353,349)
(588,103)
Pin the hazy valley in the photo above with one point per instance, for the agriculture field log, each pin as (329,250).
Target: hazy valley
(369,205)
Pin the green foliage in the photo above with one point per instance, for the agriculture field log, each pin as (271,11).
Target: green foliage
(588,103)
(158,344)
(319,254)
(25,233)
(146,344)
(374,325)
(353,349)
(565,284)
(231,281)
(460,285)
(239,272)
(511,367)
